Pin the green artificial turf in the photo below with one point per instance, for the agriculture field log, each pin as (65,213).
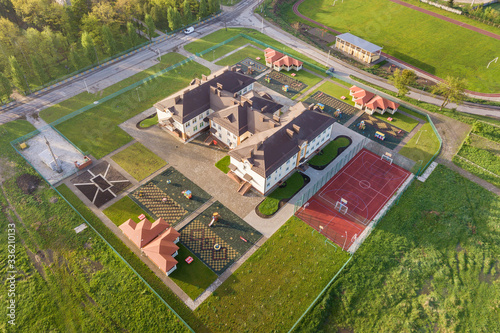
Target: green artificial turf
(270,205)
(192,278)
(399,120)
(138,161)
(247,52)
(431,264)
(271,290)
(125,209)
(329,152)
(96,131)
(422,146)
(83,99)
(223,164)
(434,45)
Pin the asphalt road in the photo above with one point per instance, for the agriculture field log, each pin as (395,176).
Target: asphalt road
(240,15)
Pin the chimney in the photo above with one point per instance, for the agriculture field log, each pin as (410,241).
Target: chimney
(203,77)
(290,133)
(311,106)
(219,85)
(193,81)
(264,108)
(235,95)
(296,128)
(276,118)
(177,99)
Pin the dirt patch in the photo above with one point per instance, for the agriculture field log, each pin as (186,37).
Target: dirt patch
(54,199)
(426,288)
(27,183)
(36,262)
(453,133)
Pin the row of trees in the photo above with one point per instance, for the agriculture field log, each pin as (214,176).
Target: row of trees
(452,89)
(48,40)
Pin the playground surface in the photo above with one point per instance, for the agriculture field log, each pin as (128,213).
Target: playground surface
(366,184)
(393,134)
(256,67)
(333,104)
(162,196)
(100,183)
(276,81)
(232,235)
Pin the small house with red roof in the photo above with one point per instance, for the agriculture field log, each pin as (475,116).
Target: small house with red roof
(162,251)
(156,240)
(371,103)
(278,61)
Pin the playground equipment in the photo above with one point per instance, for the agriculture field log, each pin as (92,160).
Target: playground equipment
(243,239)
(217,247)
(169,181)
(267,79)
(380,135)
(337,114)
(362,125)
(187,194)
(321,106)
(86,162)
(215,218)
(285,88)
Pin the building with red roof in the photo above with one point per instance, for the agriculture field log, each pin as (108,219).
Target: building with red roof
(371,103)
(156,240)
(279,61)
(162,251)
(143,232)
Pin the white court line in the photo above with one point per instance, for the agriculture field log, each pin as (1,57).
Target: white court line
(389,172)
(332,213)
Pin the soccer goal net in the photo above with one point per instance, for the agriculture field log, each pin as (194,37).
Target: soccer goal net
(387,157)
(341,207)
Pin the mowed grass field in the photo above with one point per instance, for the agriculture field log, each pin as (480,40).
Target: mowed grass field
(431,265)
(271,290)
(69,282)
(138,161)
(96,131)
(436,46)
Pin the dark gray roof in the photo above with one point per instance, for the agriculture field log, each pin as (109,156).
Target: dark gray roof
(364,44)
(196,99)
(269,154)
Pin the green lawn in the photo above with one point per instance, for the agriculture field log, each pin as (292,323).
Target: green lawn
(96,131)
(481,157)
(334,90)
(399,120)
(271,203)
(148,122)
(305,77)
(223,164)
(72,282)
(138,161)
(431,264)
(411,36)
(83,99)
(247,52)
(222,35)
(193,278)
(422,146)
(270,291)
(220,51)
(125,209)
(329,152)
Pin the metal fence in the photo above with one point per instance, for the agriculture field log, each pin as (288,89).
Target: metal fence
(394,200)
(337,164)
(402,103)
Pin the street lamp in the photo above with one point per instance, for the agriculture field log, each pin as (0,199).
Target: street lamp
(213,55)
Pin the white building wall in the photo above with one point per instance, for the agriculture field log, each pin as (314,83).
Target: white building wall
(281,172)
(258,182)
(224,135)
(318,141)
(196,124)
(171,270)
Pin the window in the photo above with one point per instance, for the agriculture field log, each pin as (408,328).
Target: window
(195,128)
(219,128)
(200,117)
(194,120)
(187,124)
(202,124)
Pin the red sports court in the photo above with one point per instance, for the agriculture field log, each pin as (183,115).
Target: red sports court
(349,201)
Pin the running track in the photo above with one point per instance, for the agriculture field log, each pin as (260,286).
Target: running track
(465,25)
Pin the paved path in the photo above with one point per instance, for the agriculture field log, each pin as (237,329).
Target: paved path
(447,19)
(210,65)
(403,63)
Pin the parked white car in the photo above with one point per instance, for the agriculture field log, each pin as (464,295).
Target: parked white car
(189,30)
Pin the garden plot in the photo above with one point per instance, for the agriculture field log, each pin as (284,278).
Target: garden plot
(276,81)
(332,105)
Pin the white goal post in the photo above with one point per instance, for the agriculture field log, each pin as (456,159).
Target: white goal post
(387,157)
(341,207)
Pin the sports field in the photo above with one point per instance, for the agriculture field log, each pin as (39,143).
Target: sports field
(364,186)
(438,47)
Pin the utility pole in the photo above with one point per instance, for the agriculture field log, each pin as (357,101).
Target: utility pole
(58,167)
(262,28)
(86,86)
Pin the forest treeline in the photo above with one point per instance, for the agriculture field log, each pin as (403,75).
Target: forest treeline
(43,40)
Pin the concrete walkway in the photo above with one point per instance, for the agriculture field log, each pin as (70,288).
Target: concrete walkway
(236,50)
(310,90)
(210,65)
